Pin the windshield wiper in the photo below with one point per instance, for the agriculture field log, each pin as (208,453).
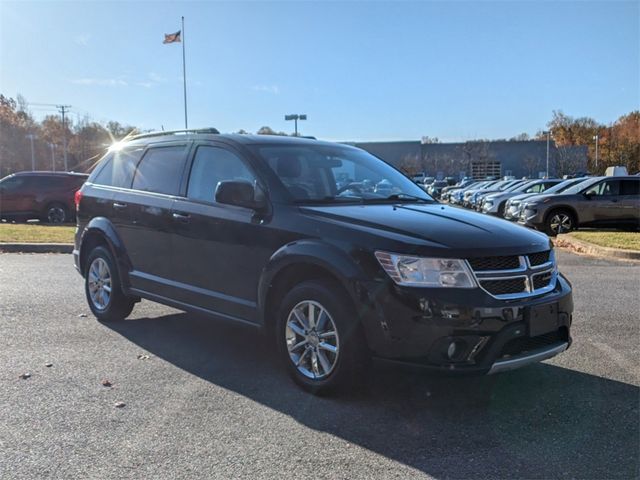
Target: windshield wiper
(408,197)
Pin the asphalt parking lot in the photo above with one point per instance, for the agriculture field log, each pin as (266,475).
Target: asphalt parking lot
(210,401)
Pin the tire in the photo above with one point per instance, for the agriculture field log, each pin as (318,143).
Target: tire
(341,360)
(56,213)
(559,221)
(102,272)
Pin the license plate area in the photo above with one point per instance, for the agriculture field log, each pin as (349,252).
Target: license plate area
(543,319)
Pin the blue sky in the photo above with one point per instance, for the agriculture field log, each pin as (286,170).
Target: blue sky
(359,70)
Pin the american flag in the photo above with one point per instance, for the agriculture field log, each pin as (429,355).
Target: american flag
(172,37)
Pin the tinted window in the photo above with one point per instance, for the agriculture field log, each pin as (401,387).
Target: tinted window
(211,166)
(606,188)
(630,187)
(118,168)
(160,170)
(12,184)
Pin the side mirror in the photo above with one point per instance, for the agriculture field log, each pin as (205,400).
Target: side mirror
(239,193)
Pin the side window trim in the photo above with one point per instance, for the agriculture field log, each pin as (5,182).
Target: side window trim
(224,146)
(147,149)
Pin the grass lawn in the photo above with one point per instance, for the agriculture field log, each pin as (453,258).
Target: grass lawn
(35,233)
(625,240)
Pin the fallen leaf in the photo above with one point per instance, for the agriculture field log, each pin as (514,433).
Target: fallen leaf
(106,383)
(24,376)
(142,356)
(82,315)
(119,404)
(48,365)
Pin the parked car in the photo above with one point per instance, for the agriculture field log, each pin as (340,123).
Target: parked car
(47,196)
(514,205)
(596,202)
(252,229)
(494,203)
(436,188)
(448,190)
(456,196)
(468,193)
(474,199)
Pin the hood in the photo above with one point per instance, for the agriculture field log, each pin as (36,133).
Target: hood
(435,225)
(525,196)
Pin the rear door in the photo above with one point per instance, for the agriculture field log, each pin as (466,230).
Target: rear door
(630,200)
(142,216)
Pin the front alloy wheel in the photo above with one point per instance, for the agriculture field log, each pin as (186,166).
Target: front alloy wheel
(312,340)
(560,222)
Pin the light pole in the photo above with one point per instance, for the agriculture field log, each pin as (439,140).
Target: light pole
(596,138)
(548,134)
(31,137)
(295,117)
(53,156)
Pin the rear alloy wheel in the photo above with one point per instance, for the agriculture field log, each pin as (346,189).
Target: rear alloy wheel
(560,221)
(56,213)
(320,338)
(102,287)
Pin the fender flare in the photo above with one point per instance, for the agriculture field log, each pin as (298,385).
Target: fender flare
(102,227)
(310,252)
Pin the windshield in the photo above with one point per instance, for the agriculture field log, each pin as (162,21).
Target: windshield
(330,173)
(577,188)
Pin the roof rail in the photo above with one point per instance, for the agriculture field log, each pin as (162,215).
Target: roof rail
(172,132)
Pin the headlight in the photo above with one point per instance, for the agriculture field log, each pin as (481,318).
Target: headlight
(426,272)
(487,203)
(514,203)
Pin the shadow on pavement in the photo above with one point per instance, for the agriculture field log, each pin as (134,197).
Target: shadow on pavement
(539,422)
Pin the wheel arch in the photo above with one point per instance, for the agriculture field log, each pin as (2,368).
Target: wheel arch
(100,231)
(302,261)
(568,208)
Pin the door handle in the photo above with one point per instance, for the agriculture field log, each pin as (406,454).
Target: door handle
(119,206)
(181,217)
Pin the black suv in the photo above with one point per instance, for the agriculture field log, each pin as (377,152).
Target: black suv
(254,229)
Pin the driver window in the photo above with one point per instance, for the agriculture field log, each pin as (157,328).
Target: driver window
(607,188)
(211,166)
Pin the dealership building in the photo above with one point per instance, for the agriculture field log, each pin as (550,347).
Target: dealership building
(479,159)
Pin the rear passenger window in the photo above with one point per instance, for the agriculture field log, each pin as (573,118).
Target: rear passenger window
(119,168)
(630,187)
(211,166)
(160,170)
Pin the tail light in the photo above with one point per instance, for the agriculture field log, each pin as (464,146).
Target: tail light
(76,199)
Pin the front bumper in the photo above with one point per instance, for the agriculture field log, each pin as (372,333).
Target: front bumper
(531,217)
(416,326)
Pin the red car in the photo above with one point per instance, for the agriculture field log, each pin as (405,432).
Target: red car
(47,196)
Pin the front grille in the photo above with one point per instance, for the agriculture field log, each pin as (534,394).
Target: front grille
(539,258)
(504,287)
(542,280)
(494,263)
(527,344)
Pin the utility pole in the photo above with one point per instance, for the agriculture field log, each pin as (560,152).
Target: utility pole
(548,134)
(31,137)
(596,138)
(53,156)
(64,109)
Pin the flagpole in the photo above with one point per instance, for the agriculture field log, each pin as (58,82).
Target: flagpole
(184,78)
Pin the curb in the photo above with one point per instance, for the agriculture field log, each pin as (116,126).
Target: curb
(578,246)
(36,247)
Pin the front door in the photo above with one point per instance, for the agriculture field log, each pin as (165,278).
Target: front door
(219,250)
